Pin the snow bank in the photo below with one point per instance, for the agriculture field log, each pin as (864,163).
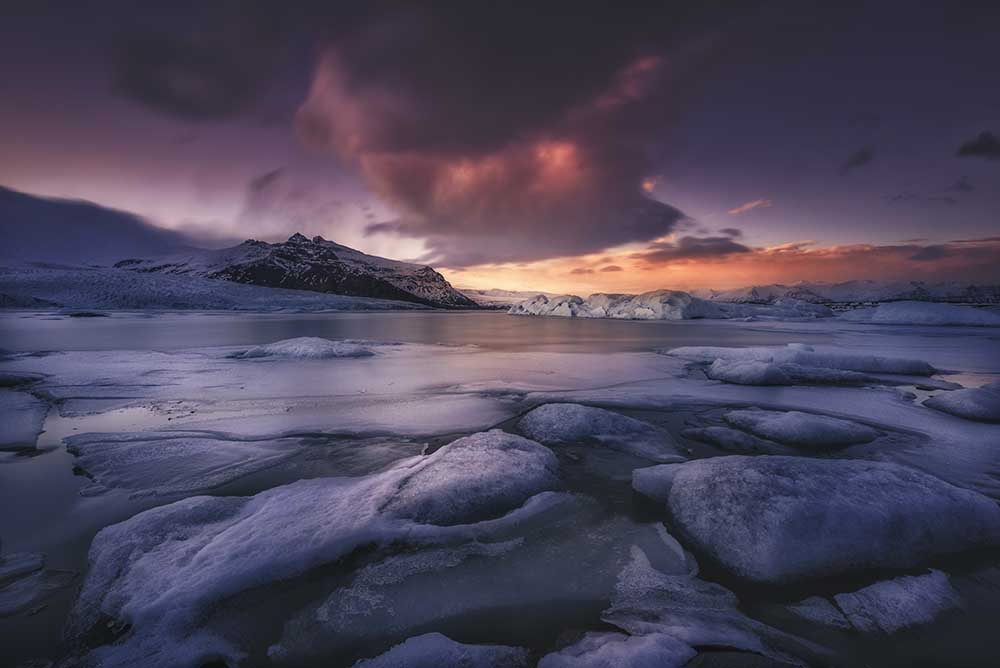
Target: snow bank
(804,430)
(572,423)
(925,313)
(662,305)
(22,416)
(433,650)
(306,347)
(774,519)
(161,570)
(617,650)
(160,463)
(974,403)
(904,602)
(805,356)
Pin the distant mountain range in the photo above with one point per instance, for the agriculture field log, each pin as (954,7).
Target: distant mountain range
(313,264)
(858,293)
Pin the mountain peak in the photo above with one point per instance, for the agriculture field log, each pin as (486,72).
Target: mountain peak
(298,238)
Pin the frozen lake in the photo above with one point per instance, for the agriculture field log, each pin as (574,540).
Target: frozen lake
(146,413)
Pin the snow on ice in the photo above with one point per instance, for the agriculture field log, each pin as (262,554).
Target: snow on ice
(775,519)
(552,424)
(433,650)
(306,347)
(803,430)
(974,403)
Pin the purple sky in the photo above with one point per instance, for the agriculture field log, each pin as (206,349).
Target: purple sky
(552,141)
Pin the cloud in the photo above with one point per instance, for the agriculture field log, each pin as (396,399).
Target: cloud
(410,100)
(859,158)
(731,232)
(581,270)
(928,253)
(274,205)
(687,248)
(214,68)
(962,185)
(917,198)
(611,268)
(986,145)
(750,206)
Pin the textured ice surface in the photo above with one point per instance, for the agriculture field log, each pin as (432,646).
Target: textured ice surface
(523,568)
(807,357)
(690,610)
(925,313)
(974,403)
(819,610)
(803,430)
(158,463)
(19,564)
(893,605)
(162,569)
(433,650)
(617,650)
(754,372)
(736,442)
(307,347)
(26,593)
(773,519)
(21,417)
(552,424)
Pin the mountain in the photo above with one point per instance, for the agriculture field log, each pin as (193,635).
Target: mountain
(313,264)
(859,292)
(76,232)
(496,298)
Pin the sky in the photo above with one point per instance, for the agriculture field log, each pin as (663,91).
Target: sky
(560,146)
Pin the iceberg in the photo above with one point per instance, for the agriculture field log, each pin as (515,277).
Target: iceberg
(433,650)
(552,424)
(803,430)
(974,403)
(306,347)
(754,372)
(662,305)
(806,356)
(776,520)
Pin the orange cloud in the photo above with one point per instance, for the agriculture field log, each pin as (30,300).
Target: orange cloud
(750,206)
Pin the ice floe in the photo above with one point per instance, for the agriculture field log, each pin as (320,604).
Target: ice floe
(974,403)
(806,356)
(735,441)
(160,463)
(433,650)
(803,430)
(306,347)
(754,372)
(925,313)
(553,424)
(892,605)
(776,519)
(617,650)
(693,611)
(163,569)
(25,582)
(22,416)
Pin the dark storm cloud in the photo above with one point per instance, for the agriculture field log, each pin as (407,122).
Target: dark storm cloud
(859,158)
(986,145)
(611,267)
(511,132)
(962,185)
(689,248)
(205,64)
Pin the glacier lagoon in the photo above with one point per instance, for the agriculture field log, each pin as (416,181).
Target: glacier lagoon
(310,508)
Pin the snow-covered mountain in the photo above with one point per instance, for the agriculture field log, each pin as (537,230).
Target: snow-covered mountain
(310,264)
(75,232)
(500,299)
(859,292)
